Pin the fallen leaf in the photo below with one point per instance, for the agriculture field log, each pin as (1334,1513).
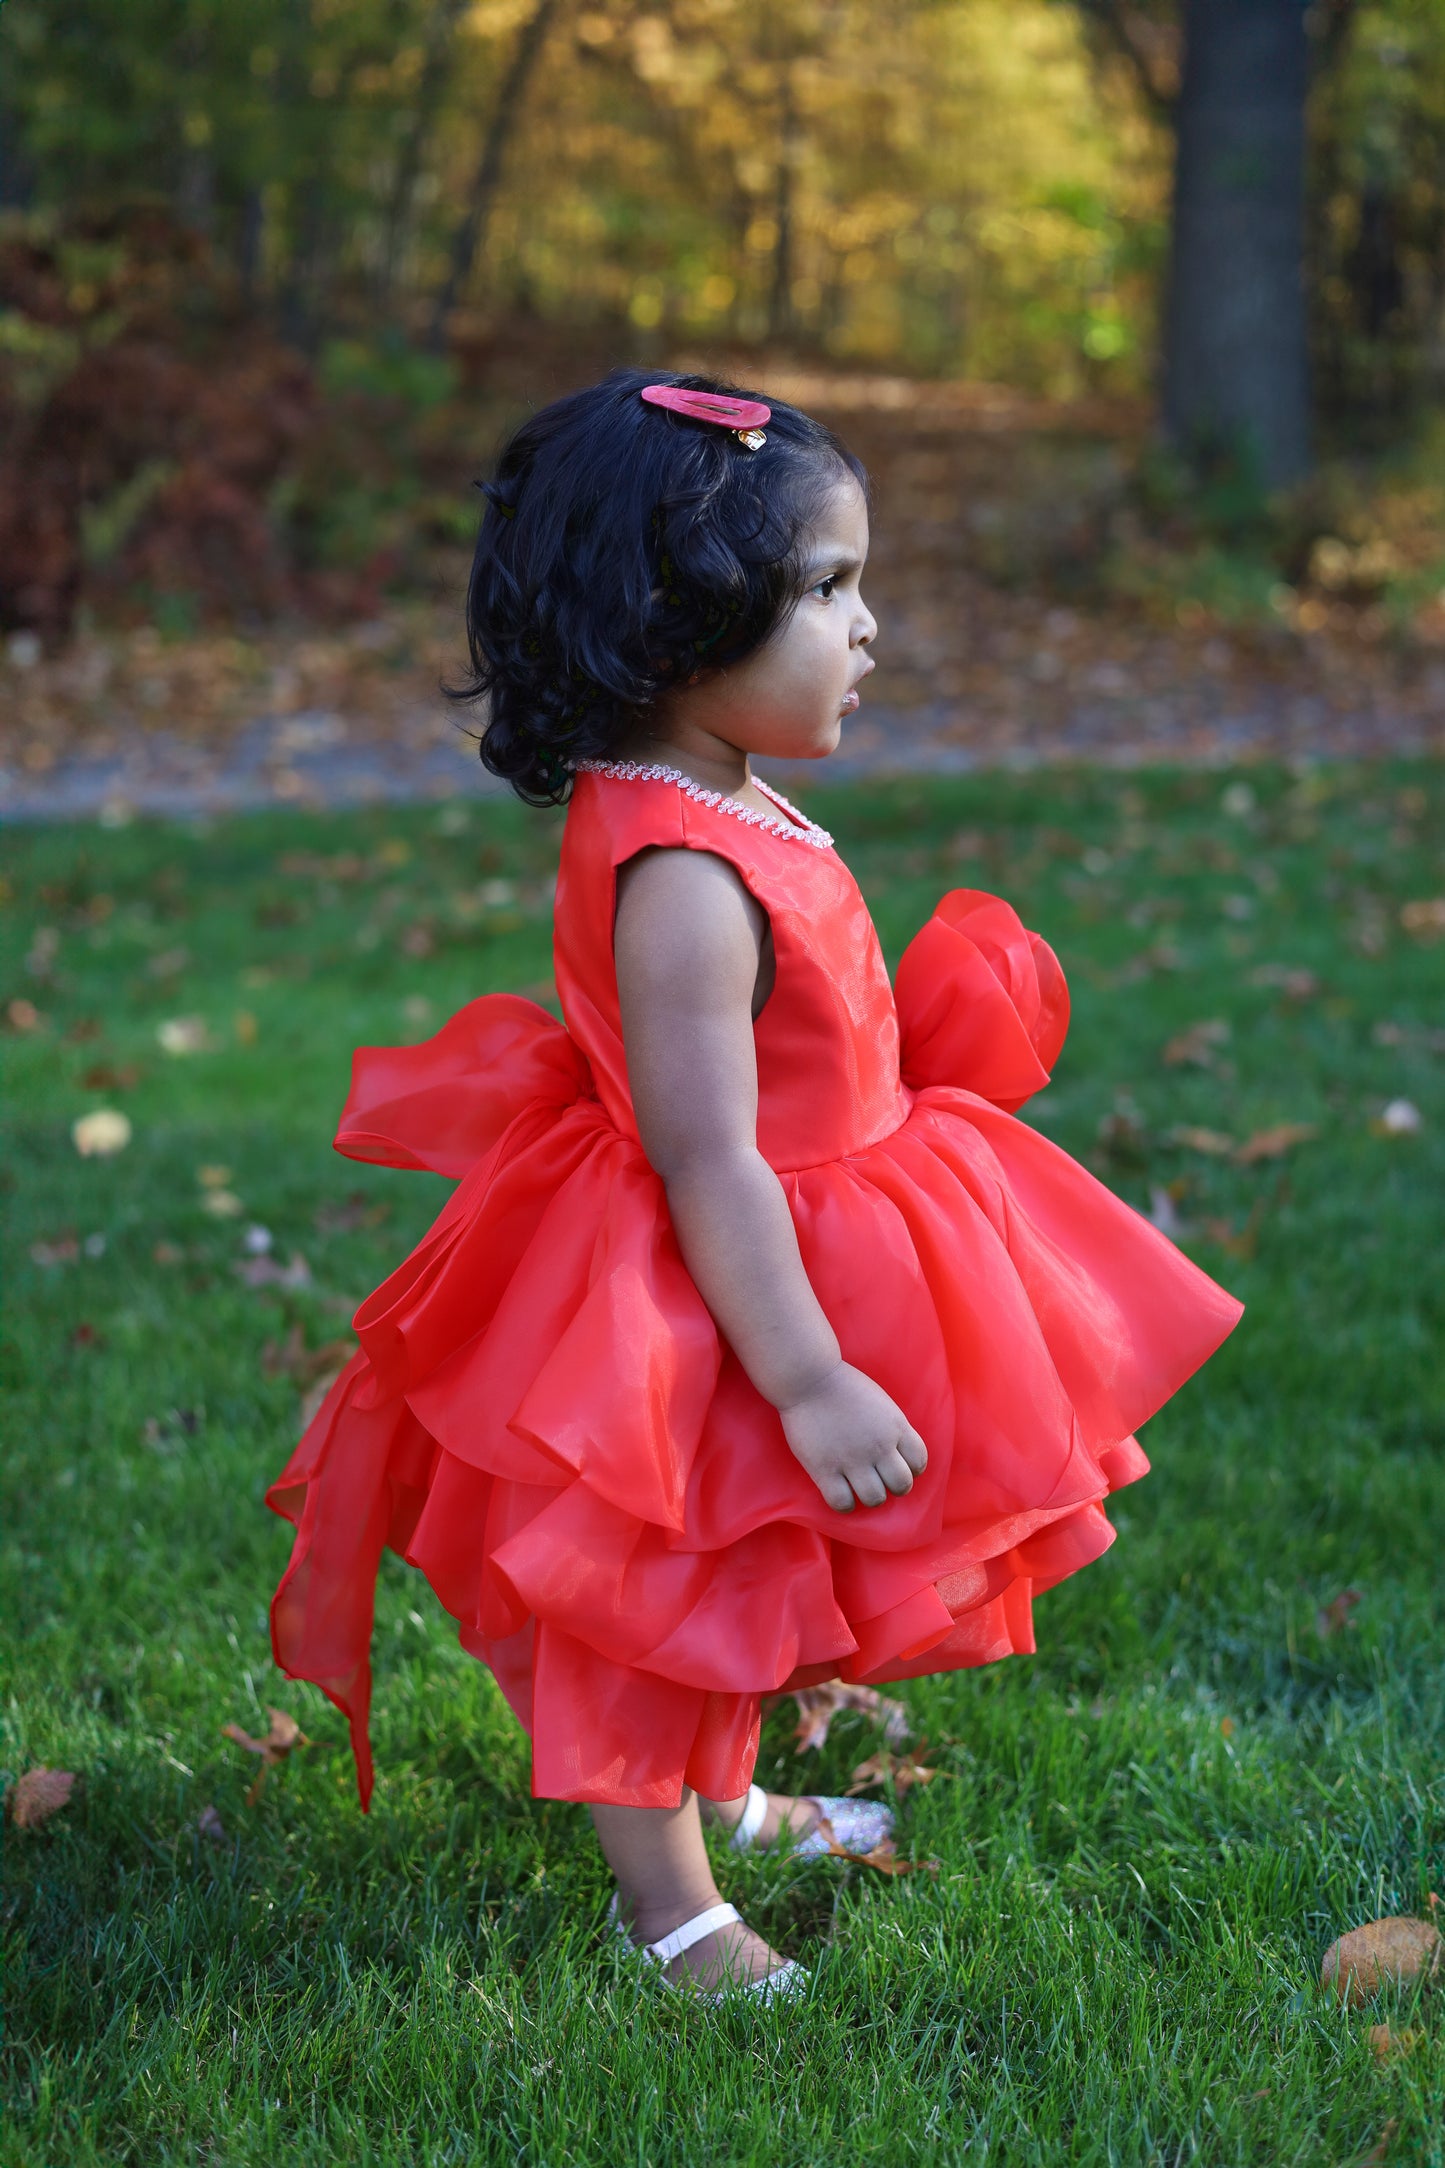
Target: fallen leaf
(1196,1045)
(313,1399)
(818,1705)
(1241,1242)
(61,1249)
(34,1797)
(1274,1143)
(902,1771)
(211,1827)
(22,1015)
(265,1272)
(166,1253)
(1378,1954)
(284,1735)
(1294,984)
(104,1076)
(355,1210)
(166,1433)
(246,1028)
(884,1859)
(1401,1118)
(1226,1727)
(222,1204)
(85,1335)
(102,1134)
(1379,2152)
(184,1035)
(1163,1215)
(1424,920)
(1211,1141)
(214,1177)
(292,1358)
(1386,2043)
(1124,1135)
(1334,1617)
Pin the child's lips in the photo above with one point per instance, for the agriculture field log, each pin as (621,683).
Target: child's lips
(850,703)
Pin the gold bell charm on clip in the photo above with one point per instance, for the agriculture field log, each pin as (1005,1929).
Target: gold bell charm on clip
(744,417)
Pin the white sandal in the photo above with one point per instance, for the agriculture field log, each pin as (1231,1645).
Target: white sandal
(855,1825)
(789,1978)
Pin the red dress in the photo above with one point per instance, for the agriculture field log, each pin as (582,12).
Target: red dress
(543,1418)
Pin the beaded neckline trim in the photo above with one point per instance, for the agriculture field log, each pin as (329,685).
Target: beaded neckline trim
(799,829)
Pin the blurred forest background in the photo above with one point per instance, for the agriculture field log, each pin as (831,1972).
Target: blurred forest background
(1136,307)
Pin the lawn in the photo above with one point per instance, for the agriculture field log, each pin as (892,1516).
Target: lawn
(1145,1835)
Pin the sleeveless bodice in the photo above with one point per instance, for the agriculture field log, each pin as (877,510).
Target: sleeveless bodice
(827,1037)
(544,1417)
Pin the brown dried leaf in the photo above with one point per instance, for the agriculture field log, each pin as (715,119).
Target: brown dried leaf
(1379,2152)
(1425,920)
(1294,984)
(1379,1954)
(37,1795)
(313,1399)
(61,1249)
(1239,1242)
(1197,1044)
(354,1210)
(292,1358)
(884,1859)
(903,1771)
(1274,1143)
(265,1272)
(105,1076)
(1334,1617)
(1212,1141)
(1386,2043)
(285,1734)
(818,1705)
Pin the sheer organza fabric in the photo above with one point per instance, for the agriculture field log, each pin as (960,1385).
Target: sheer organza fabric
(542,1417)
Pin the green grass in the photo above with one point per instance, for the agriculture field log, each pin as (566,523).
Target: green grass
(1147,1833)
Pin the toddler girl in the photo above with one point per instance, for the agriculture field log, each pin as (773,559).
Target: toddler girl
(759,1343)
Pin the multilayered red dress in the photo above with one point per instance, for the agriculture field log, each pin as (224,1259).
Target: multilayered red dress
(543,1418)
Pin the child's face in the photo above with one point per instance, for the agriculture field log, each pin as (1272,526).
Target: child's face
(788,700)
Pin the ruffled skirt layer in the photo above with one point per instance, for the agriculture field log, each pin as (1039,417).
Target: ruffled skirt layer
(543,1419)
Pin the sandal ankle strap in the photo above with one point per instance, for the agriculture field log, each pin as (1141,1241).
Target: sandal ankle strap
(751,1820)
(682,1938)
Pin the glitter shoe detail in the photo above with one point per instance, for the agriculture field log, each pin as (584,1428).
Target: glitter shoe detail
(858,1825)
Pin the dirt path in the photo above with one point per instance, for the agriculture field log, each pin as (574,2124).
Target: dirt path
(990,517)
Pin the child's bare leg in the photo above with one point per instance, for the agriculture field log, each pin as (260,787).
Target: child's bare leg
(798,1815)
(662,1870)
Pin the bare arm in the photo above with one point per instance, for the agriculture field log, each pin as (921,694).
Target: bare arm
(688,942)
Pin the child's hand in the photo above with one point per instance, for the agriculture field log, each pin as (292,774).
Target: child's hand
(853,1440)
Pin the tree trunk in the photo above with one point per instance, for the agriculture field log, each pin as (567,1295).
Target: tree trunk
(1236,371)
(441,34)
(780,297)
(472,231)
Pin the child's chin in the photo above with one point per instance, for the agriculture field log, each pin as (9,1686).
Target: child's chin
(822,742)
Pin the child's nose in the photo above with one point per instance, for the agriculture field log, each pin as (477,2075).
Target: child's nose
(865,628)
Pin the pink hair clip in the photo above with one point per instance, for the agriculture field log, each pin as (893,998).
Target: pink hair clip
(744,417)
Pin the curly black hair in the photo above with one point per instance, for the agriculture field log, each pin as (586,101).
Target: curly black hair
(625,548)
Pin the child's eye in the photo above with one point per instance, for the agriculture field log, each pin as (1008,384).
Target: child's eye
(825,587)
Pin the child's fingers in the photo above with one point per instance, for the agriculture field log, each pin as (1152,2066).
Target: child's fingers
(896,1474)
(870,1487)
(913,1449)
